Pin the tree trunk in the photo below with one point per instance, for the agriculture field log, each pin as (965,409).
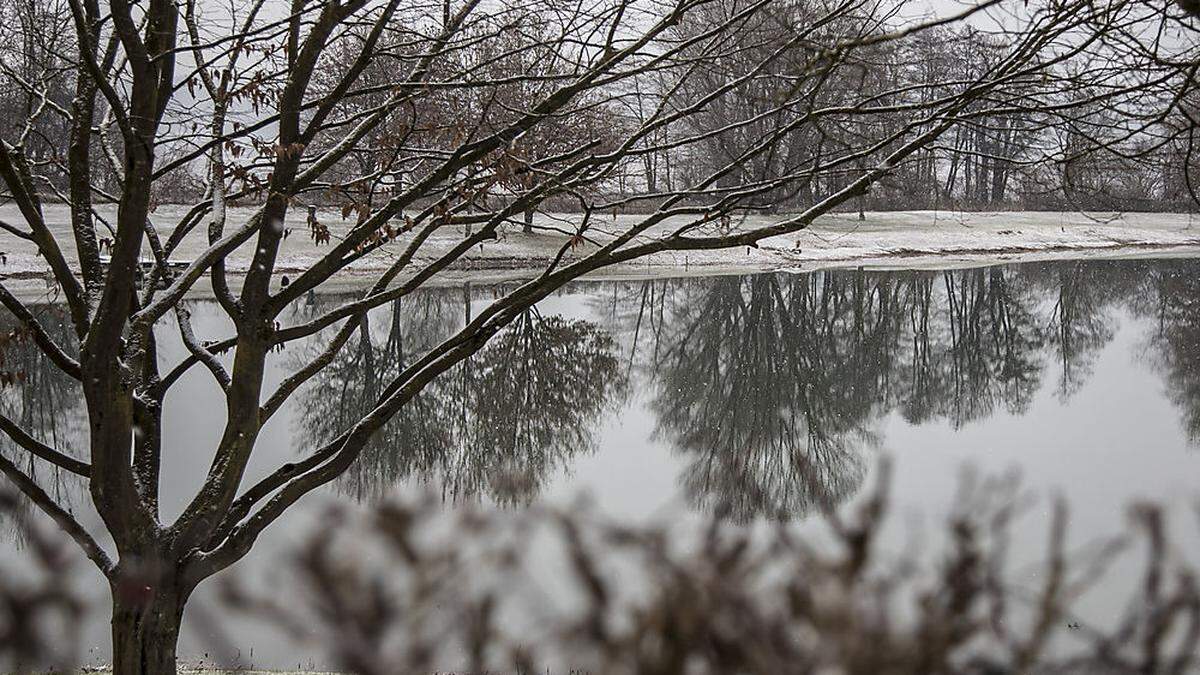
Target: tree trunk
(145,633)
(528,229)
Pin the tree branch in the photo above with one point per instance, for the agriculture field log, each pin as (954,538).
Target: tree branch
(39,449)
(59,515)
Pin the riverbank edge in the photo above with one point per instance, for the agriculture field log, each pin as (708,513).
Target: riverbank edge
(885,241)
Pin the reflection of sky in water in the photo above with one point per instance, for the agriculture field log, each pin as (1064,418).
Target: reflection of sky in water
(760,396)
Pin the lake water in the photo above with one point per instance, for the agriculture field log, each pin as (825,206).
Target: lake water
(759,397)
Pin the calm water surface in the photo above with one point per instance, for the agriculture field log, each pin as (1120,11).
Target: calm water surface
(756,398)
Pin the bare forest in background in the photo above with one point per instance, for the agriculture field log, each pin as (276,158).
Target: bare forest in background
(1071,141)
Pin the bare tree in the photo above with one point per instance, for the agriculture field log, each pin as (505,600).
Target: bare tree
(232,93)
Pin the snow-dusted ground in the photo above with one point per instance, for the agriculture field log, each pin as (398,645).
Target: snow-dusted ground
(884,239)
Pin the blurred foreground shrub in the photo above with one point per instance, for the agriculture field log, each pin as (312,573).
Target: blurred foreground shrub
(40,616)
(418,588)
(545,590)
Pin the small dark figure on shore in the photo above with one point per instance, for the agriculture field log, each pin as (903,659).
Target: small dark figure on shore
(320,233)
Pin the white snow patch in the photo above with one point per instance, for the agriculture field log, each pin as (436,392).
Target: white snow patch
(890,239)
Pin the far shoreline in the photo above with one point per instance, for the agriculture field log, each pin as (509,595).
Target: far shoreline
(881,241)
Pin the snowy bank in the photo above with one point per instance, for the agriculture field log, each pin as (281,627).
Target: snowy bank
(884,239)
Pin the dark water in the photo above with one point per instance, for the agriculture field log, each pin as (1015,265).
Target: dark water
(759,397)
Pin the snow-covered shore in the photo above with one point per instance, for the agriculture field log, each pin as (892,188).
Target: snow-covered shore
(883,239)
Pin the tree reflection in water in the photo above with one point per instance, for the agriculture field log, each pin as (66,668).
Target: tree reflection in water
(498,426)
(1085,295)
(972,343)
(421,433)
(764,383)
(1172,301)
(771,388)
(41,398)
(772,385)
